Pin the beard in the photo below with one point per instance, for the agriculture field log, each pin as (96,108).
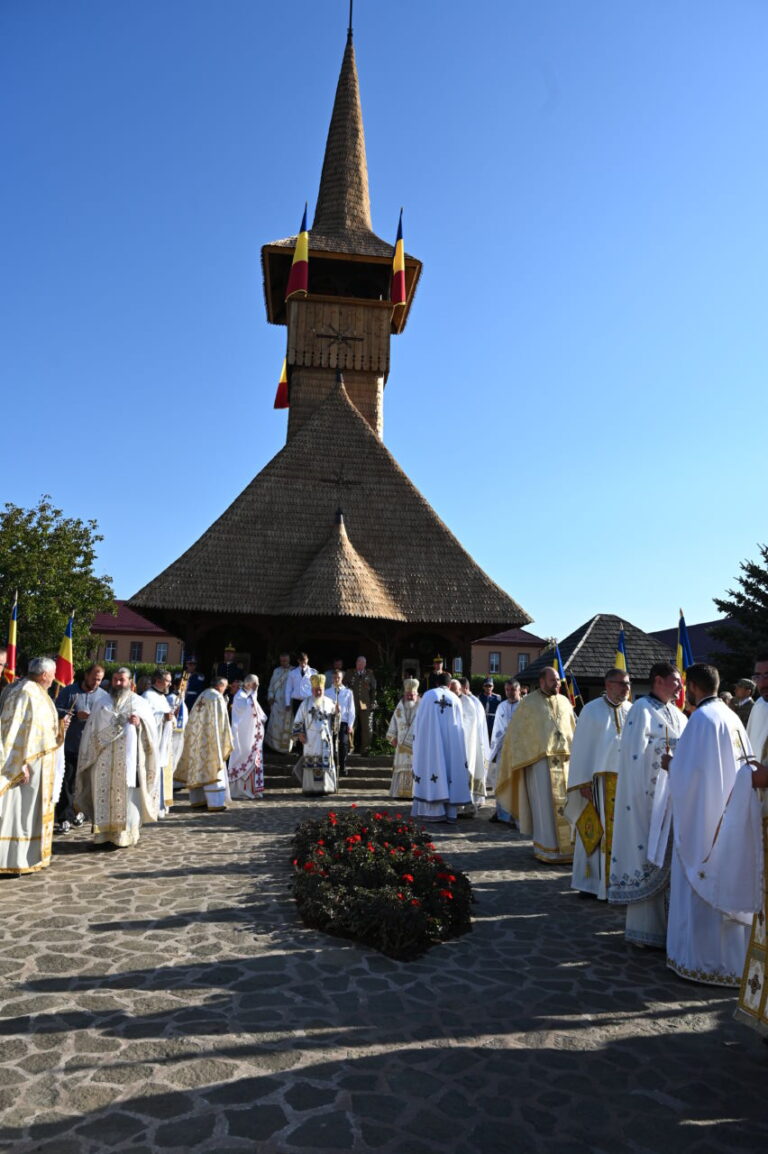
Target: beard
(120,696)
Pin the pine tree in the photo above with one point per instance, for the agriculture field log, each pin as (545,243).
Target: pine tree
(746,633)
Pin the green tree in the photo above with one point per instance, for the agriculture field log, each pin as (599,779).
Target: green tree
(49,559)
(746,633)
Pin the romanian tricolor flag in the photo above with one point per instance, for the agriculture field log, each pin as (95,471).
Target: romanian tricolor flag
(621,652)
(298,281)
(65,668)
(10,664)
(573,689)
(397,288)
(683,657)
(281,396)
(560,669)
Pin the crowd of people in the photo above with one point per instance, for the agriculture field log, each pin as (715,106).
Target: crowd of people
(654,807)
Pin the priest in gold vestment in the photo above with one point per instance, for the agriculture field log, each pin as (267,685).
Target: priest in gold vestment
(533,775)
(207,745)
(117,783)
(31,736)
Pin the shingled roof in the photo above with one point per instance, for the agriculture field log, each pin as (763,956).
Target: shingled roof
(278,550)
(590,650)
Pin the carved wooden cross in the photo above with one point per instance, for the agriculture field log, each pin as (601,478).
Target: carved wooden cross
(338,337)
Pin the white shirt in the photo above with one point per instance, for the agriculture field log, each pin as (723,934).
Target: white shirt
(346,703)
(297,683)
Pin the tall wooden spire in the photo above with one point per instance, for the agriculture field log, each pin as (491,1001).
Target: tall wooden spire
(343,201)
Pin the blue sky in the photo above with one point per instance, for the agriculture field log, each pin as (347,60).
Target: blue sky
(580,389)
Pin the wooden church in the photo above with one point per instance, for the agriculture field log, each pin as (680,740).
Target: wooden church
(331,548)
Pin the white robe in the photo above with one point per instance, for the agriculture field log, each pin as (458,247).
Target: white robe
(400,731)
(278,734)
(316,768)
(757,729)
(477,744)
(594,754)
(246,769)
(117,770)
(161,708)
(440,771)
(704,943)
(634,880)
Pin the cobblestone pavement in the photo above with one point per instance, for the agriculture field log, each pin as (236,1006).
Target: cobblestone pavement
(166,998)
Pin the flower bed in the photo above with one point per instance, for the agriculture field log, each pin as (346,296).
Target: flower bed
(376,878)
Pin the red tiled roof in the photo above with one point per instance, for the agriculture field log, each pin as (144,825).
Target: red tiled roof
(126,621)
(511,637)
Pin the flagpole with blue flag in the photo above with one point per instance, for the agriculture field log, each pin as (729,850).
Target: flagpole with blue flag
(683,656)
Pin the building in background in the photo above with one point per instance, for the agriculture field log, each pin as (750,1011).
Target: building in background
(129,638)
(590,651)
(506,654)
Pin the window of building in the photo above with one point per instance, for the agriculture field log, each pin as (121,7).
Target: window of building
(458,665)
(494,662)
(137,648)
(161,652)
(523,661)
(110,651)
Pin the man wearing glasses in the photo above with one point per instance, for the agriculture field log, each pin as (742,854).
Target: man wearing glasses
(592,777)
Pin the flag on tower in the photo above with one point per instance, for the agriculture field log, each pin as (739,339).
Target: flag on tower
(281,396)
(65,668)
(683,656)
(10,663)
(298,280)
(397,288)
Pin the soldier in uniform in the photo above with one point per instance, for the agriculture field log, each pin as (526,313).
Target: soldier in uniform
(195,683)
(363,685)
(230,668)
(435,678)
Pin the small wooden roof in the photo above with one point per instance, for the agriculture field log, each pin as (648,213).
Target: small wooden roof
(278,550)
(590,651)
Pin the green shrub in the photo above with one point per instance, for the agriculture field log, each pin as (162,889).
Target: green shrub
(377,879)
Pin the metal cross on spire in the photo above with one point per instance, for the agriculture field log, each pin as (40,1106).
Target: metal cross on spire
(349,29)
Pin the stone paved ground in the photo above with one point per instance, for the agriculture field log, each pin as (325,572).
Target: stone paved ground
(166,998)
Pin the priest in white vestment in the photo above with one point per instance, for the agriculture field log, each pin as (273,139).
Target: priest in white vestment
(117,766)
(400,734)
(753,997)
(180,718)
(313,729)
(246,767)
(704,943)
(31,739)
(477,742)
(533,775)
(278,734)
(653,725)
(156,698)
(440,770)
(592,777)
(501,720)
(207,745)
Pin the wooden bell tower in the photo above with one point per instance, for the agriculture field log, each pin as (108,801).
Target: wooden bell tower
(346,320)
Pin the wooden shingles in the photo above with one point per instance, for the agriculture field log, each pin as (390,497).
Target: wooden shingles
(278,535)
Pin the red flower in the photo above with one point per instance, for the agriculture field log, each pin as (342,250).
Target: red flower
(407,878)
(309,866)
(353,805)
(401,897)
(295,861)
(446,894)
(415,902)
(398,816)
(320,841)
